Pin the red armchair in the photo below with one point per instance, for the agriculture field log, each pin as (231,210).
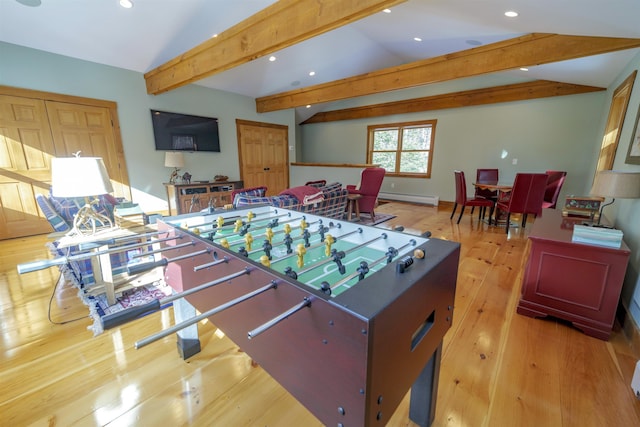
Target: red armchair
(487,176)
(463,201)
(554,185)
(525,198)
(370,183)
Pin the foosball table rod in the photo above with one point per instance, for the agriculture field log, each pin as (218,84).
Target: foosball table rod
(115,319)
(179,326)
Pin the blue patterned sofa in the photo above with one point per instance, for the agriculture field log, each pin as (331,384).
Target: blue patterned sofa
(332,203)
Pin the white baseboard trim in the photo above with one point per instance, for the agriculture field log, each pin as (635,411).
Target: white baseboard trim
(426,200)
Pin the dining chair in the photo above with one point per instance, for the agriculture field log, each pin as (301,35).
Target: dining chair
(370,183)
(555,179)
(463,201)
(525,197)
(486,176)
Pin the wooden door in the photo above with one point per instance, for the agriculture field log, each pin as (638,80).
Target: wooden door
(26,148)
(89,129)
(264,155)
(36,126)
(617,112)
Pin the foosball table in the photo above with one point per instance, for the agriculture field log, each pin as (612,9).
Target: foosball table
(346,317)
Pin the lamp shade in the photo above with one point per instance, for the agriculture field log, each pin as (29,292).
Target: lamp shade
(173,159)
(618,185)
(79,177)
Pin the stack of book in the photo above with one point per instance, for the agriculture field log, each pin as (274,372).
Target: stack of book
(600,236)
(129,215)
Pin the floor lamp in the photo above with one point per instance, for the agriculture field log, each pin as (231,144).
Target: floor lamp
(617,185)
(82,177)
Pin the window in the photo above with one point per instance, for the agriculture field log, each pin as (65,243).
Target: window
(403,149)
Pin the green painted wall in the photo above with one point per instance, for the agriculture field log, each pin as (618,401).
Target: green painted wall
(33,69)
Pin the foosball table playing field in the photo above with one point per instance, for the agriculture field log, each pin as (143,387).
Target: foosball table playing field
(346,317)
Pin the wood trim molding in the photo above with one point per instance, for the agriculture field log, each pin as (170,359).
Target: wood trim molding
(528,50)
(468,98)
(283,24)
(59,97)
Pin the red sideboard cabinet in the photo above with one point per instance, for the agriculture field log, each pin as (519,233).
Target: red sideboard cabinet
(571,281)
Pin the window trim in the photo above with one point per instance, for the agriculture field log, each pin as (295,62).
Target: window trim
(399,126)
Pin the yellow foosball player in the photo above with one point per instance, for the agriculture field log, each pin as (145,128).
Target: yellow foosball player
(300,252)
(248,240)
(328,241)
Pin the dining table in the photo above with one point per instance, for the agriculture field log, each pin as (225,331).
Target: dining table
(503,189)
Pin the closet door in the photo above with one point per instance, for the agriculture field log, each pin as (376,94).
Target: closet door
(26,148)
(36,126)
(90,130)
(264,155)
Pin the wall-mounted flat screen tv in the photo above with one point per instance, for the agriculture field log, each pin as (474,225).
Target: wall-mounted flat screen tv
(183,132)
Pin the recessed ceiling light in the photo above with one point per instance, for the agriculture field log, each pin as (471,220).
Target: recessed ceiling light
(418,39)
(214,36)
(524,69)
(511,13)
(127,4)
(312,73)
(272,58)
(308,106)
(386,10)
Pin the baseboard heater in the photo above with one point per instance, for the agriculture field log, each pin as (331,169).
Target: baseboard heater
(425,200)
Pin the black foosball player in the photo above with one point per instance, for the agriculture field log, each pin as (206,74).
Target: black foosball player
(267,248)
(391,253)
(290,273)
(337,258)
(288,241)
(244,229)
(363,269)
(322,230)
(306,236)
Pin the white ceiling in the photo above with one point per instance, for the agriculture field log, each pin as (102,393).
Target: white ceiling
(155,31)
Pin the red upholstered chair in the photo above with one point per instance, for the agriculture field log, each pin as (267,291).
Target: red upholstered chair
(525,198)
(487,176)
(554,185)
(370,183)
(461,199)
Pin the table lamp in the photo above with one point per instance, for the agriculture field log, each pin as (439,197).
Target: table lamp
(615,184)
(82,177)
(174,160)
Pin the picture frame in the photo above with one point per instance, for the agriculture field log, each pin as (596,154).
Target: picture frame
(633,155)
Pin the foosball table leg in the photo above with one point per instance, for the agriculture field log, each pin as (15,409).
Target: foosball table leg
(188,341)
(422,406)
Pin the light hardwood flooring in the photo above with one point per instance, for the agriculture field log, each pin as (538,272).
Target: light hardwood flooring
(498,368)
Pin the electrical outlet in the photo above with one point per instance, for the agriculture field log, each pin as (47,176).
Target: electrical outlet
(514,161)
(393,185)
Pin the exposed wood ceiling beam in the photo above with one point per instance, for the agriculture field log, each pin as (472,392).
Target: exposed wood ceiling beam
(468,98)
(283,24)
(524,51)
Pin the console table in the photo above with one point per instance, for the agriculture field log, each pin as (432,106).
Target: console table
(572,281)
(186,198)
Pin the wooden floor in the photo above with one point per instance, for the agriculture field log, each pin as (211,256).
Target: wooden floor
(498,368)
